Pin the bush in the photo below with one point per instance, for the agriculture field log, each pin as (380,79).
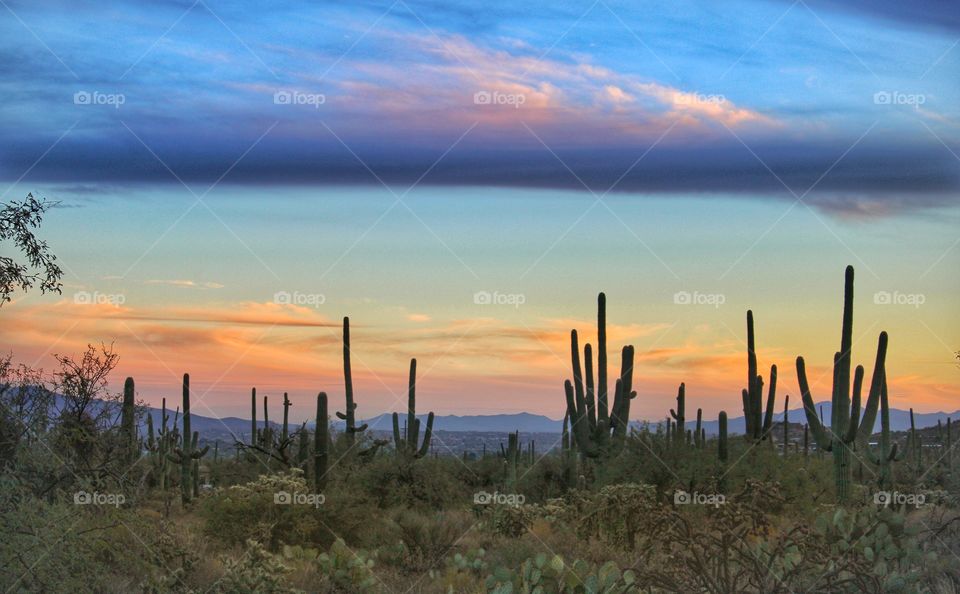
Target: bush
(244,512)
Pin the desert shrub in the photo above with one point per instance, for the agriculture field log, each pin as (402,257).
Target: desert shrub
(58,546)
(427,483)
(429,537)
(252,511)
(616,514)
(544,480)
(508,520)
(253,572)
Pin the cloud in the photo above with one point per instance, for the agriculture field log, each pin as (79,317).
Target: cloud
(184,284)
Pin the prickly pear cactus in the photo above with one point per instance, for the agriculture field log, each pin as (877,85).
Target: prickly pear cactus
(551,575)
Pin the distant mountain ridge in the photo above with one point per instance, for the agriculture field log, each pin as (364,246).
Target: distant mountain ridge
(533,423)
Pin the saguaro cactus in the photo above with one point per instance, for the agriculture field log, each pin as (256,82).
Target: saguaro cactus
(917,447)
(128,424)
(253,416)
(594,425)
(679,416)
(160,445)
(888,451)
(186,454)
(321,440)
(350,415)
(285,430)
(758,423)
(512,458)
(722,451)
(408,446)
(698,438)
(846,425)
(786,423)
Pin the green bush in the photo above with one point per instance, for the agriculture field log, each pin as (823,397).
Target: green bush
(251,511)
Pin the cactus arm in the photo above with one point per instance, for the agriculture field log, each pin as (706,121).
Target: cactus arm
(771,399)
(757,409)
(588,371)
(853,431)
(626,392)
(578,379)
(809,408)
(698,438)
(873,399)
(427,434)
(578,427)
(398,442)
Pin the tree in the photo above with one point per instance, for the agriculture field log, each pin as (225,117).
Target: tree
(17,222)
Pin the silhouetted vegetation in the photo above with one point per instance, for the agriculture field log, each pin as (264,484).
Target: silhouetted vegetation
(110,501)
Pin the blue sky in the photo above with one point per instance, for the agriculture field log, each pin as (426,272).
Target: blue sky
(397,158)
(725,95)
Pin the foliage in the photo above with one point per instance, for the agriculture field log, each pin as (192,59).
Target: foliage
(256,571)
(17,222)
(250,511)
(348,570)
(551,575)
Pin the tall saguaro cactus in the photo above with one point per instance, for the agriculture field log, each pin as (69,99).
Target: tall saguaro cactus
(758,422)
(679,415)
(846,425)
(408,446)
(593,426)
(128,424)
(722,446)
(186,454)
(350,415)
(321,439)
(786,423)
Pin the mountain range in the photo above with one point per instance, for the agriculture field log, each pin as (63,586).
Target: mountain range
(532,423)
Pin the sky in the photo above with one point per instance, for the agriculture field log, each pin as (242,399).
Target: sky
(234,179)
